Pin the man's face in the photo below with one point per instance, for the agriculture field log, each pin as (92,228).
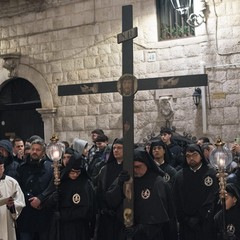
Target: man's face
(207,152)
(36,152)
(65,159)
(166,138)
(230,201)
(158,152)
(4,152)
(101,145)
(85,151)
(118,151)
(74,174)
(127,86)
(94,136)
(18,147)
(139,169)
(193,159)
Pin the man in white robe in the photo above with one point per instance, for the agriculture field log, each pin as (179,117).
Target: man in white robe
(11,204)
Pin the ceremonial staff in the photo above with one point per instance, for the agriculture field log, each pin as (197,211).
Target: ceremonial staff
(54,151)
(221,158)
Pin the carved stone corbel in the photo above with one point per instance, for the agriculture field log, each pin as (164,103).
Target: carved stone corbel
(166,108)
(11,63)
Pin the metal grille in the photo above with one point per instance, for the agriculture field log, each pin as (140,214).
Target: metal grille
(171,25)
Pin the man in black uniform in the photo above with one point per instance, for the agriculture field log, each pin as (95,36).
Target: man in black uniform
(75,200)
(154,215)
(109,225)
(162,156)
(232,223)
(195,191)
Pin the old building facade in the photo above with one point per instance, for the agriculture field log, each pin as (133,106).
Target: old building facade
(60,42)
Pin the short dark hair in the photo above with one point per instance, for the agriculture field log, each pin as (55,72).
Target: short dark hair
(16,139)
(165,130)
(98,131)
(206,145)
(204,139)
(101,138)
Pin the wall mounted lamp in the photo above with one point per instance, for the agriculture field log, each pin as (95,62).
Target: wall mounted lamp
(197,96)
(183,6)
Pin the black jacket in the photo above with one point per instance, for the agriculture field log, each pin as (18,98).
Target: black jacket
(195,196)
(33,180)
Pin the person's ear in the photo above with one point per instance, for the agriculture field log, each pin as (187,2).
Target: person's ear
(234,200)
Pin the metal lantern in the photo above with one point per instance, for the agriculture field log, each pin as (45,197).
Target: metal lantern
(54,151)
(182,6)
(194,19)
(197,96)
(221,156)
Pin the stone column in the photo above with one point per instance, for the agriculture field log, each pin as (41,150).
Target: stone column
(48,120)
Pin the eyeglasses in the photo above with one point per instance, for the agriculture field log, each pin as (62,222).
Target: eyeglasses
(193,155)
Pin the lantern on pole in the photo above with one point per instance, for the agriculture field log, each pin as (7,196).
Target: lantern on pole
(221,158)
(54,151)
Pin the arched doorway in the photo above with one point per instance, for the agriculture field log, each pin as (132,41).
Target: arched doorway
(19,100)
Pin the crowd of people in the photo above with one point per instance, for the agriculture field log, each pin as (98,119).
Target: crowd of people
(176,191)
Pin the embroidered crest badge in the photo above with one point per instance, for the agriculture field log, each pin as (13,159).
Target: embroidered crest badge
(145,193)
(208,181)
(166,177)
(76,198)
(230,229)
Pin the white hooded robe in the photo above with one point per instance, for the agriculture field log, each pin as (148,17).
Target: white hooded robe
(9,187)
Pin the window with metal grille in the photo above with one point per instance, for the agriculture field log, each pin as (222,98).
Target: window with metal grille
(171,24)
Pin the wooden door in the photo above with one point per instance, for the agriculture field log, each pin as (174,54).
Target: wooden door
(18,116)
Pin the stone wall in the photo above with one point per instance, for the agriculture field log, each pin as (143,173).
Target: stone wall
(74,41)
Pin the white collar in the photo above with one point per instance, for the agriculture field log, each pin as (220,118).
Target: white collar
(194,170)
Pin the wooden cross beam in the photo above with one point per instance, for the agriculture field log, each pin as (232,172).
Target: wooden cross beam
(127,79)
(197,80)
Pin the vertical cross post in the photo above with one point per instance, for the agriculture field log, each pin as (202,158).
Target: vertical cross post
(126,37)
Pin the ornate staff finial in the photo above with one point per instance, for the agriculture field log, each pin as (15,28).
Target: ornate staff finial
(54,138)
(219,142)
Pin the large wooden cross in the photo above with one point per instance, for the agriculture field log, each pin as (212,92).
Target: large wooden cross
(126,38)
